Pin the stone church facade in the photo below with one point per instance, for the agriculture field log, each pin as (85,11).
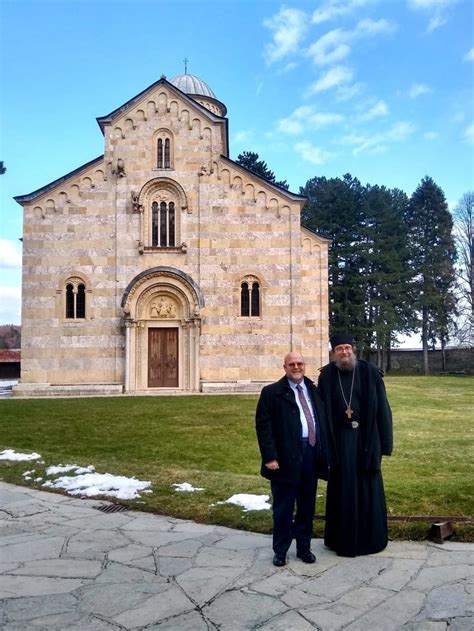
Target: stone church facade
(164,266)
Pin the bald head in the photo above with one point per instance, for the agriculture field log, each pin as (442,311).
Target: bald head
(294,367)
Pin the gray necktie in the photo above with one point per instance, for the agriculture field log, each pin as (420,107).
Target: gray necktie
(309,418)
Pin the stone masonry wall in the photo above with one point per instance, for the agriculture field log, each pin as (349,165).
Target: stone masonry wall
(231,224)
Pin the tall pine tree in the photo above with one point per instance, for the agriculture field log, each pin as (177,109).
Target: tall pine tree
(251,161)
(386,269)
(432,256)
(368,258)
(334,209)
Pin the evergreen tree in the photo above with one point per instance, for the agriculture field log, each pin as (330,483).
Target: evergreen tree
(334,210)
(432,256)
(251,161)
(385,259)
(369,274)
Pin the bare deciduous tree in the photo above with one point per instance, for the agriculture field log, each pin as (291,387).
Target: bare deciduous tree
(464,240)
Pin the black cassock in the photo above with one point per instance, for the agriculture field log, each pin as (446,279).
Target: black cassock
(356,513)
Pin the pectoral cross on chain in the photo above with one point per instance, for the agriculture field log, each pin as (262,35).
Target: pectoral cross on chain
(349,412)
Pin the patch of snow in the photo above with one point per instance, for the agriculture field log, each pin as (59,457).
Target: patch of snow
(186,487)
(92,484)
(248,501)
(11,454)
(63,468)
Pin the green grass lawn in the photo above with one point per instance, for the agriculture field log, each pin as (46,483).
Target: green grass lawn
(209,441)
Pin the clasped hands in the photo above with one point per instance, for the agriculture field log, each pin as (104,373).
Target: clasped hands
(272,465)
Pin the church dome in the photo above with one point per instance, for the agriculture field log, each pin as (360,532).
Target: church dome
(191,85)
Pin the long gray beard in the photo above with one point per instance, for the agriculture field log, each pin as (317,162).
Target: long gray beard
(346,366)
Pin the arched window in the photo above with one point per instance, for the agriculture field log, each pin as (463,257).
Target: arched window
(255,300)
(167,153)
(163,224)
(160,153)
(250,299)
(244,300)
(154,224)
(75,299)
(163,151)
(163,202)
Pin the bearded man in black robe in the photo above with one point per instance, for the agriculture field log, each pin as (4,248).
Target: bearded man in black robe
(360,422)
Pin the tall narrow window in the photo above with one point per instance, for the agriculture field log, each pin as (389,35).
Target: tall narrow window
(250,298)
(255,300)
(163,225)
(81,302)
(167,154)
(70,301)
(154,224)
(160,153)
(172,225)
(75,299)
(164,150)
(244,300)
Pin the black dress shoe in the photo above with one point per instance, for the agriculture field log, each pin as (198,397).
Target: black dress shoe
(279,560)
(306,556)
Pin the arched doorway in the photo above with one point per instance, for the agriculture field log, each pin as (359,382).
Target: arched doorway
(162,327)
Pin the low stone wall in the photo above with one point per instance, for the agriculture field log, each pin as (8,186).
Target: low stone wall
(458,360)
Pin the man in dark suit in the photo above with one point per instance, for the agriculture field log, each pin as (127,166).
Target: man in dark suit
(291,433)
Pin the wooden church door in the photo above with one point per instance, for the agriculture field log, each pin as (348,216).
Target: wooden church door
(163,358)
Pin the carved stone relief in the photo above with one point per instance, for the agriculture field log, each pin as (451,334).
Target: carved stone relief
(162,308)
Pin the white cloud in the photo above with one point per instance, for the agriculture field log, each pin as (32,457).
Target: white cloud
(289,26)
(10,254)
(335,45)
(338,8)
(242,136)
(431,135)
(400,131)
(10,305)
(378,110)
(332,79)
(378,143)
(347,92)
(436,22)
(312,154)
(469,134)
(305,117)
(436,9)
(469,56)
(330,48)
(291,65)
(417,89)
(369,27)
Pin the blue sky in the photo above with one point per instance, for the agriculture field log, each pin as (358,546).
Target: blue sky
(381,89)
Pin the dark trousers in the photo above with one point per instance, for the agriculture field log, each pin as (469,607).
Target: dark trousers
(289,524)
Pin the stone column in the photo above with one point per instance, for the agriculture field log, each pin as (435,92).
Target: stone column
(127,323)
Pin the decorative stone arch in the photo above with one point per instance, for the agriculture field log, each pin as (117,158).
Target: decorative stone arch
(160,189)
(162,321)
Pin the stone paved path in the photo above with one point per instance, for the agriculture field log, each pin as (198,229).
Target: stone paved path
(66,565)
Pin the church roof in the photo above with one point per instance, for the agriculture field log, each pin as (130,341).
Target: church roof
(103,120)
(192,85)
